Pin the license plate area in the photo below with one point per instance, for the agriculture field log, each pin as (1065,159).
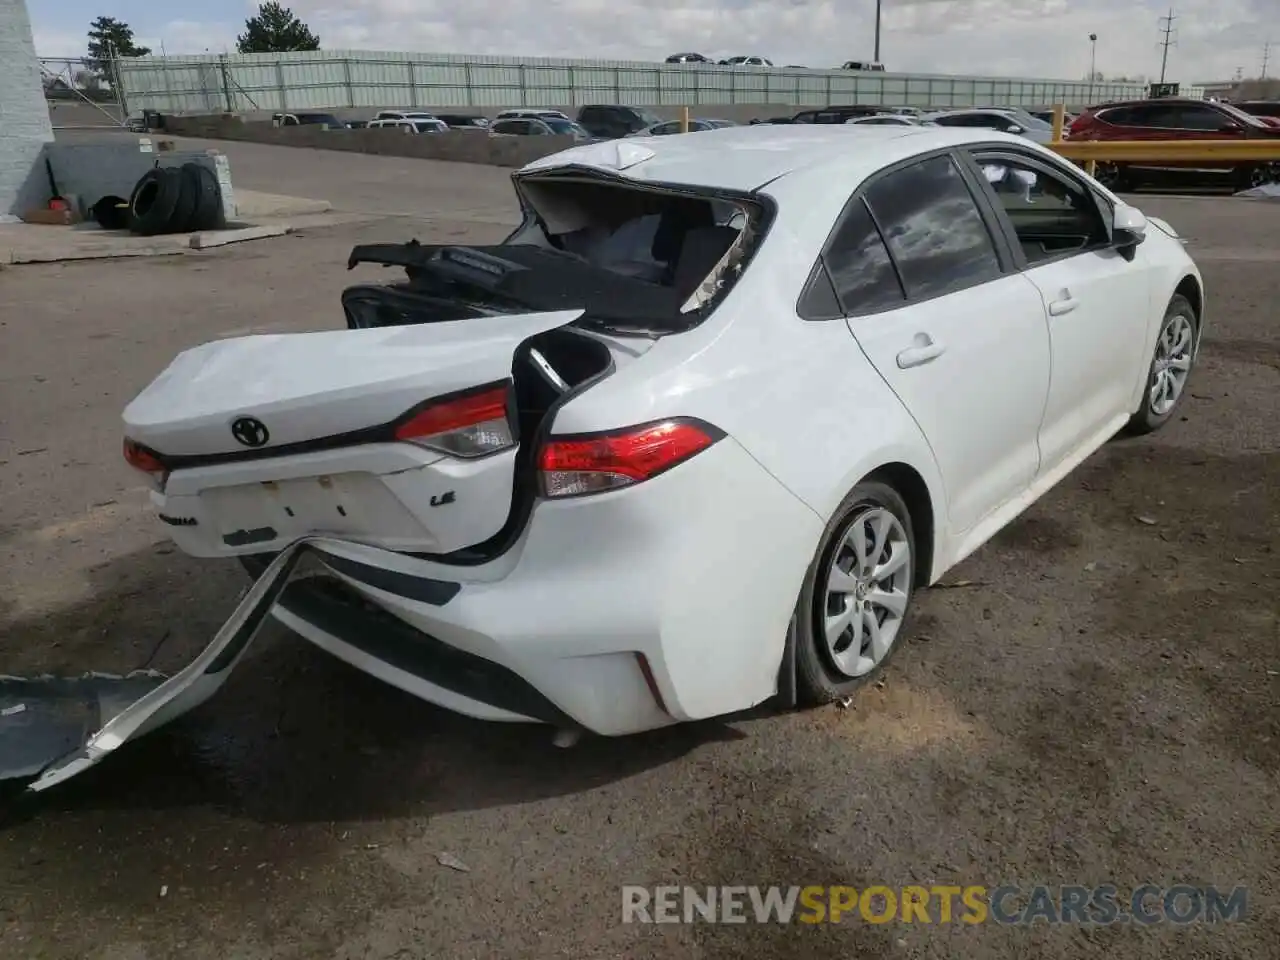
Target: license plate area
(357,504)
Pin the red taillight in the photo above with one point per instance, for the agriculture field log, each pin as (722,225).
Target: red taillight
(140,458)
(468,425)
(571,466)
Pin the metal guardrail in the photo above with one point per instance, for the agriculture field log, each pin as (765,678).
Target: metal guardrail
(1175,151)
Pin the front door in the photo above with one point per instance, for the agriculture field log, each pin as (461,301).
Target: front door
(1097,305)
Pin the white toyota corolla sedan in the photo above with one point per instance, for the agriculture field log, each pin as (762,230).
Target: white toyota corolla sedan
(693,436)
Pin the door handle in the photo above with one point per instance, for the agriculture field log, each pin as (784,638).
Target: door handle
(922,350)
(1059,307)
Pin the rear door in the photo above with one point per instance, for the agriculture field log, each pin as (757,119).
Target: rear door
(930,297)
(1097,302)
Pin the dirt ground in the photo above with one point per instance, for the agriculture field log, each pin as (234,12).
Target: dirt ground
(1099,703)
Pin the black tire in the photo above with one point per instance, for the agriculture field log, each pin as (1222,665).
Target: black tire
(818,678)
(1250,175)
(208,213)
(1116,177)
(184,210)
(1149,418)
(152,203)
(111,213)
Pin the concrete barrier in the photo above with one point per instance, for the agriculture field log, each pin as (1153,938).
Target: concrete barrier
(457,146)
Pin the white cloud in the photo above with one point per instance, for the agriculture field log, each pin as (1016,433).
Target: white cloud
(1030,38)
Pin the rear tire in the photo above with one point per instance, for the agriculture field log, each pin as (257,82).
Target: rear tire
(856,595)
(154,199)
(1170,369)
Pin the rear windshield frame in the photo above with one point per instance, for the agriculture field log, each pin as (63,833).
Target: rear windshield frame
(761,210)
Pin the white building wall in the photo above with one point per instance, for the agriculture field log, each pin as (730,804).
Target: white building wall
(24,115)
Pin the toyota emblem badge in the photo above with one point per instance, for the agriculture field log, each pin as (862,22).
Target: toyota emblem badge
(250,432)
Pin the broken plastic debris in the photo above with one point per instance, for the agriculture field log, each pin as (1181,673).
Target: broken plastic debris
(52,728)
(452,862)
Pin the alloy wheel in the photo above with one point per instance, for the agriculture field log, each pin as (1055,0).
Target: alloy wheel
(868,586)
(1172,363)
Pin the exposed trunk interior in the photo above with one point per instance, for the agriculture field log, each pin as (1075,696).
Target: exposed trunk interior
(640,261)
(546,369)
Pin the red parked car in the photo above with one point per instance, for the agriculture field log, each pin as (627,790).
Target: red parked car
(1176,119)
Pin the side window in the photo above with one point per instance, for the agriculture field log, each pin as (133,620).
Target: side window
(1051,215)
(806,117)
(932,226)
(1164,117)
(1120,117)
(663,129)
(859,266)
(1200,118)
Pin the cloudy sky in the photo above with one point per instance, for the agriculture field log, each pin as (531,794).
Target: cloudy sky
(1030,38)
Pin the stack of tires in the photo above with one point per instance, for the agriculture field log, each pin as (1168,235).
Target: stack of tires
(176,200)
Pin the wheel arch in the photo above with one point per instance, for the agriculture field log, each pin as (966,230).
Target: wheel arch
(924,500)
(1189,287)
(911,486)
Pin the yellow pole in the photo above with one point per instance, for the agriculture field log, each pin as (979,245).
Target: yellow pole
(684,119)
(1059,119)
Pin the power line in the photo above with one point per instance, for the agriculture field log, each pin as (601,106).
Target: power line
(1166,28)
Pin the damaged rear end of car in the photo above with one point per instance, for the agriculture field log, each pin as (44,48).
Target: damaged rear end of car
(417,428)
(408,453)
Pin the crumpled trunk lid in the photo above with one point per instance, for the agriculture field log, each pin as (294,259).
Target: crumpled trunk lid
(305,387)
(268,439)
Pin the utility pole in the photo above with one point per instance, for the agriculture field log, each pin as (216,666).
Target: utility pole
(876,58)
(1166,28)
(1093,62)
(1266,58)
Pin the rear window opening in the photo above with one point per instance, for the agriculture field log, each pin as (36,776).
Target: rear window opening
(688,243)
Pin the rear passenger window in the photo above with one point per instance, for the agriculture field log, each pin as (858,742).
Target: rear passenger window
(933,228)
(859,265)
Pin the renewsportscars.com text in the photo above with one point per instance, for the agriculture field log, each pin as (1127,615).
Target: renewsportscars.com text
(1010,905)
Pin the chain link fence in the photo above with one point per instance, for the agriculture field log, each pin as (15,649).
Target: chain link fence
(83,93)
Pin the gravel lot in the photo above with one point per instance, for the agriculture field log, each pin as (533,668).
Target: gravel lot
(1099,704)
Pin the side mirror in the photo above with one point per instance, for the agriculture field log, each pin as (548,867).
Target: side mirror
(1013,128)
(1128,228)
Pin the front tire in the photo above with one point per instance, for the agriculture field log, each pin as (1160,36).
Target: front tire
(856,595)
(1170,369)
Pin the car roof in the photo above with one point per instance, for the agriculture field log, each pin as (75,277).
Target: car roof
(1163,101)
(745,158)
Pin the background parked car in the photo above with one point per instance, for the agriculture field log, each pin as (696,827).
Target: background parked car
(838,114)
(688,58)
(464,121)
(541,113)
(417,125)
(1047,117)
(613,120)
(746,62)
(404,115)
(1172,118)
(309,120)
(668,127)
(862,65)
(538,127)
(1005,119)
(888,119)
